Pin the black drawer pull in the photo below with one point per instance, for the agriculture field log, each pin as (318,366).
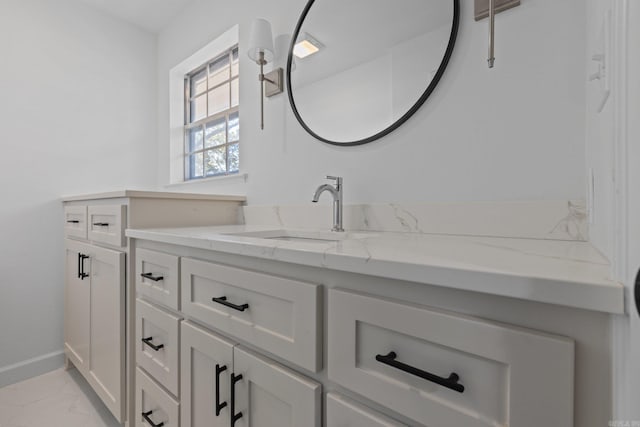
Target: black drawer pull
(101,224)
(219,406)
(150,276)
(223,301)
(145,415)
(148,342)
(451,382)
(73,221)
(234,417)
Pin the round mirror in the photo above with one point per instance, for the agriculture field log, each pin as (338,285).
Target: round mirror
(358,69)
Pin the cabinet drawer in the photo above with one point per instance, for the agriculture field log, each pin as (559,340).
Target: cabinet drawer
(158,344)
(154,403)
(343,412)
(75,221)
(106,224)
(157,277)
(276,314)
(401,356)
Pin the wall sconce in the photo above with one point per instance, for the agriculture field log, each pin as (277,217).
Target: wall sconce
(261,51)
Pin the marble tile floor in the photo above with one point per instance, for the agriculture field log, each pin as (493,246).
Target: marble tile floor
(56,399)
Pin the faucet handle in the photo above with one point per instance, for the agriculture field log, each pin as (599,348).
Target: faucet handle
(337,179)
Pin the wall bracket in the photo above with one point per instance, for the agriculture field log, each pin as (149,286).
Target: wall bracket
(482,7)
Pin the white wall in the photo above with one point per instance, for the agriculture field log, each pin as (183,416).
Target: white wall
(512,133)
(78,115)
(600,131)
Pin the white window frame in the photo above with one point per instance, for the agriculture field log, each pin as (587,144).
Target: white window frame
(210,118)
(177,105)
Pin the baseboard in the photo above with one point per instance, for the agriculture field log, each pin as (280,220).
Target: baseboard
(31,368)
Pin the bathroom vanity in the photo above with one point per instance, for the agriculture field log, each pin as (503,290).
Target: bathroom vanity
(98,273)
(263,326)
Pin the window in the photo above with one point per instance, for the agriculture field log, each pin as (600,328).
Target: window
(212,118)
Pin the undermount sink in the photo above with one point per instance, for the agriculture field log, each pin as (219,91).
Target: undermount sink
(306,236)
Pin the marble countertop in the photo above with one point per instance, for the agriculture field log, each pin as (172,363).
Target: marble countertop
(568,273)
(153,195)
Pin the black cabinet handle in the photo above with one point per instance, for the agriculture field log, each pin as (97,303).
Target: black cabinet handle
(79,270)
(145,415)
(101,224)
(150,276)
(81,258)
(148,342)
(234,417)
(219,406)
(451,382)
(73,221)
(223,301)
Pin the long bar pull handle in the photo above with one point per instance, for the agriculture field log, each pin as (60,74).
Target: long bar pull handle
(101,224)
(219,406)
(83,275)
(451,382)
(73,221)
(79,261)
(146,415)
(150,276)
(234,417)
(492,33)
(148,342)
(223,301)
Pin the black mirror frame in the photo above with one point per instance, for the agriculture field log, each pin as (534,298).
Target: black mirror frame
(434,82)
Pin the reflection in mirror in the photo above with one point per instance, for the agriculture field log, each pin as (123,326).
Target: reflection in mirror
(374,64)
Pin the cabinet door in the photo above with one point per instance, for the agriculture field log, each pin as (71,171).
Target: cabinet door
(206,364)
(269,395)
(76,307)
(107,326)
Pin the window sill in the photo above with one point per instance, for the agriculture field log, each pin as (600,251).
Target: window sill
(225,178)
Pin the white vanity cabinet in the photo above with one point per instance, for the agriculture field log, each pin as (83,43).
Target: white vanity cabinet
(227,385)
(100,317)
(221,382)
(383,352)
(95,319)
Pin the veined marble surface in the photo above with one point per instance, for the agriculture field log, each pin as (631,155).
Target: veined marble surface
(569,273)
(556,220)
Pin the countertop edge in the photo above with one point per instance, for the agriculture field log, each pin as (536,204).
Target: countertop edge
(607,298)
(147,194)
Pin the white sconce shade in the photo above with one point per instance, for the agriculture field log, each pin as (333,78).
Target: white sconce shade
(281,45)
(261,40)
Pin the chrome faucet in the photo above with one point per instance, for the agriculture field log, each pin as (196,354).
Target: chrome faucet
(336,192)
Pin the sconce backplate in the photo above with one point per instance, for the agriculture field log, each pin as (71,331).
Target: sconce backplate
(482,7)
(274,82)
